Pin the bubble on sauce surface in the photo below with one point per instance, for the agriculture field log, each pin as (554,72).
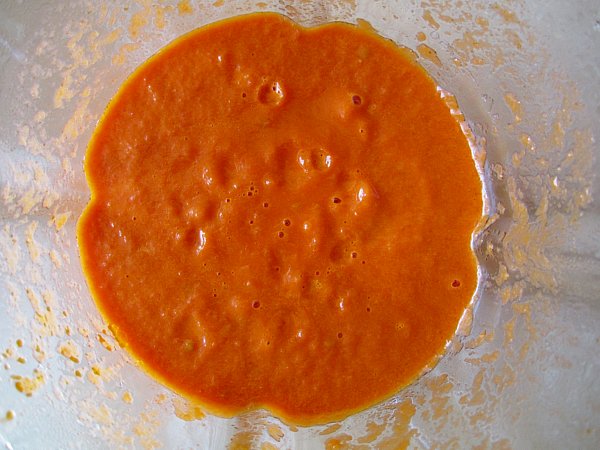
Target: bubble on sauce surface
(314,159)
(361,126)
(346,105)
(193,239)
(271,94)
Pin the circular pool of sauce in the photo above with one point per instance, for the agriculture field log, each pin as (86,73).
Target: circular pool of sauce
(281,217)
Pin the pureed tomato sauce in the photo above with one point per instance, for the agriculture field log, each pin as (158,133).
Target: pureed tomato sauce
(281,217)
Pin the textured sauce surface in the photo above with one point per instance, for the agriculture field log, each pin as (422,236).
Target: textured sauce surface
(281,217)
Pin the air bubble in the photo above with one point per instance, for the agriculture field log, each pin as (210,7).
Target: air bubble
(281,234)
(311,159)
(356,99)
(354,254)
(287,222)
(256,304)
(271,94)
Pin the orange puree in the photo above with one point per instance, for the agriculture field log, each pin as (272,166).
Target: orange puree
(281,217)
